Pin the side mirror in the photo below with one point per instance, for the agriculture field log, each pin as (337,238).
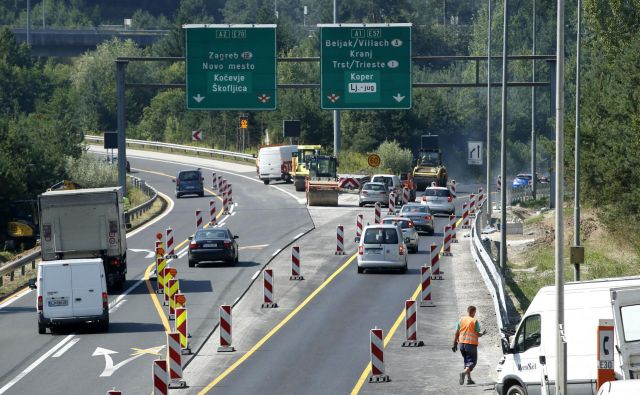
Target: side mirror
(357,239)
(128,226)
(173,180)
(506,349)
(543,360)
(32,283)
(235,236)
(190,238)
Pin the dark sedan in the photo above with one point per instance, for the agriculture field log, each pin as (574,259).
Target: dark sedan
(213,245)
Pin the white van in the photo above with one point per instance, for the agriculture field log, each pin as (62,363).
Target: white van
(393,183)
(275,162)
(531,354)
(72,291)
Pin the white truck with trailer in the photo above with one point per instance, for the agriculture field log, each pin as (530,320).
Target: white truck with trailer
(85,223)
(71,291)
(529,362)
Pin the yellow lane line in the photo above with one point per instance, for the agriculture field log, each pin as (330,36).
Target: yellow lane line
(273,331)
(387,339)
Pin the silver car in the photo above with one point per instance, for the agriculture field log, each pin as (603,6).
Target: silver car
(411,237)
(382,246)
(439,200)
(373,192)
(420,215)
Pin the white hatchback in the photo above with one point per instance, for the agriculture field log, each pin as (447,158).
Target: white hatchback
(382,246)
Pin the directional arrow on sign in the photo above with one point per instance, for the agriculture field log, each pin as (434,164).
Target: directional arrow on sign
(110,368)
(198,98)
(398,97)
(196,135)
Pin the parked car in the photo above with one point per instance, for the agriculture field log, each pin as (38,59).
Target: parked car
(213,245)
(189,182)
(420,215)
(373,192)
(382,246)
(439,200)
(411,237)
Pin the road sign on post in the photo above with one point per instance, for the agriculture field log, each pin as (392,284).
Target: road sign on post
(474,152)
(230,67)
(365,66)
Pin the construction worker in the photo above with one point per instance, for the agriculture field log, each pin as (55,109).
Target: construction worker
(467,334)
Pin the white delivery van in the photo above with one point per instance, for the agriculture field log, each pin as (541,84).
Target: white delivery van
(530,356)
(274,162)
(72,291)
(393,182)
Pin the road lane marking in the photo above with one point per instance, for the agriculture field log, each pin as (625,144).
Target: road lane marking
(255,275)
(394,328)
(110,368)
(299,235)
(254,247)
(66,347)
(14,297)
(273,331)
(35,363)
(117,306)
(276,253)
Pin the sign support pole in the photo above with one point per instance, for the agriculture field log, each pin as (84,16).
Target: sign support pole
(336,113)
(121,123)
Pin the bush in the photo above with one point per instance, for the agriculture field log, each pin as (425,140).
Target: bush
(353,162)
(92,172)
(394,158)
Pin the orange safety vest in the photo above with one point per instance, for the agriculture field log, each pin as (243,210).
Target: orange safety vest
(468,334)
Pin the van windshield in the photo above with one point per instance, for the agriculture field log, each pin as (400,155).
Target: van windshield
(189,176)
(388,181)
(381,236)
(631,322)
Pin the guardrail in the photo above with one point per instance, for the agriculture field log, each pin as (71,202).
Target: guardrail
(492,278)
(20,264)
(184,148)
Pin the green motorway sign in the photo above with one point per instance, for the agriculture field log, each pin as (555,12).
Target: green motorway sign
(365,66)
(231,67)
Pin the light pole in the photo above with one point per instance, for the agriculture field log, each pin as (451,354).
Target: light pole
(534,179)
(576,177)
(503,141)
(28,22)
(488,112)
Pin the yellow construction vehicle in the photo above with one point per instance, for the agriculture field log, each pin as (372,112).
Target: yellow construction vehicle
(22,228)
(299,171)
(428,165)
(322,183)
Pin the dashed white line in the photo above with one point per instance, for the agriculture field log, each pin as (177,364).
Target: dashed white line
(117,306)
(66,347)
(277,252)
(255,275)
(296,237)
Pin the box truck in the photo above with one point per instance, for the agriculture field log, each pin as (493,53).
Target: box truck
(85,223)
(529,362)
(275,163)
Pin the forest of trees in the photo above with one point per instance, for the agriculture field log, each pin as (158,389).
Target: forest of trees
(46,105)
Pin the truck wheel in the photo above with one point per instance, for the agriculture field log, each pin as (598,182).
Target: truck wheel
(516,390)
(42,329)
(103,326)
(266,182)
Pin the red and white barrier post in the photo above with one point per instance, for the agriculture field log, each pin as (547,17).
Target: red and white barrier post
(161,264)
(434,254)
(480,197)
(359,225)
(219,185)
(214,182)
(174,360)
(160,377)
(171,249)
(377,357)
(267,289)
(225,329)
(446,245)
(452,188)
(392,203)
(225,197)
(405,195)
(411,325)
(377,213)
(452,223)
(171,291)
(198,219)
(425,290)
(212,212)
(472,205)
(465,216)
(230,194)
(295,264)
(182,329)
(339,240)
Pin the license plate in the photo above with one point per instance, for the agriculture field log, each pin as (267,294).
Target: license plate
(374,251)
(58,302)
(210,245)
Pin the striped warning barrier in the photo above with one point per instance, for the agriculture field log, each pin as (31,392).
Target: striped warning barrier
(160,377)
(181,328)
(214,182)
(392,203)
(411,325)
(212,212)
(339,240)
(405,195)
(465,216)
(295,264)
(230,194)
(499,183)
(170,273)
(267,289)
(179,300)
(359,225)
(434,254)
(161,264)
(446,245)
(452,223)
(174,360)
(377,213)
(198,219)
(225,197)
(171,250)
(472,205)
(172,290)
(452,188)
(225,329)
(480,198)
(377,357)
(425,290)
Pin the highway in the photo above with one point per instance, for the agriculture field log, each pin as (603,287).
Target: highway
(316,342)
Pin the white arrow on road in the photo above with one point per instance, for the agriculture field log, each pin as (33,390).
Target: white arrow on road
(150,254)
(398,97)
(110,368)
(198,98)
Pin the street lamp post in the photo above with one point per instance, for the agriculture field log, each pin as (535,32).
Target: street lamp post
(503,141)
(488,112)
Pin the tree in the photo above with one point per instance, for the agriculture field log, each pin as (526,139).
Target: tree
(394,158)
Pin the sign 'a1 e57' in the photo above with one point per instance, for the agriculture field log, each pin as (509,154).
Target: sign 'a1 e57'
(230,67)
